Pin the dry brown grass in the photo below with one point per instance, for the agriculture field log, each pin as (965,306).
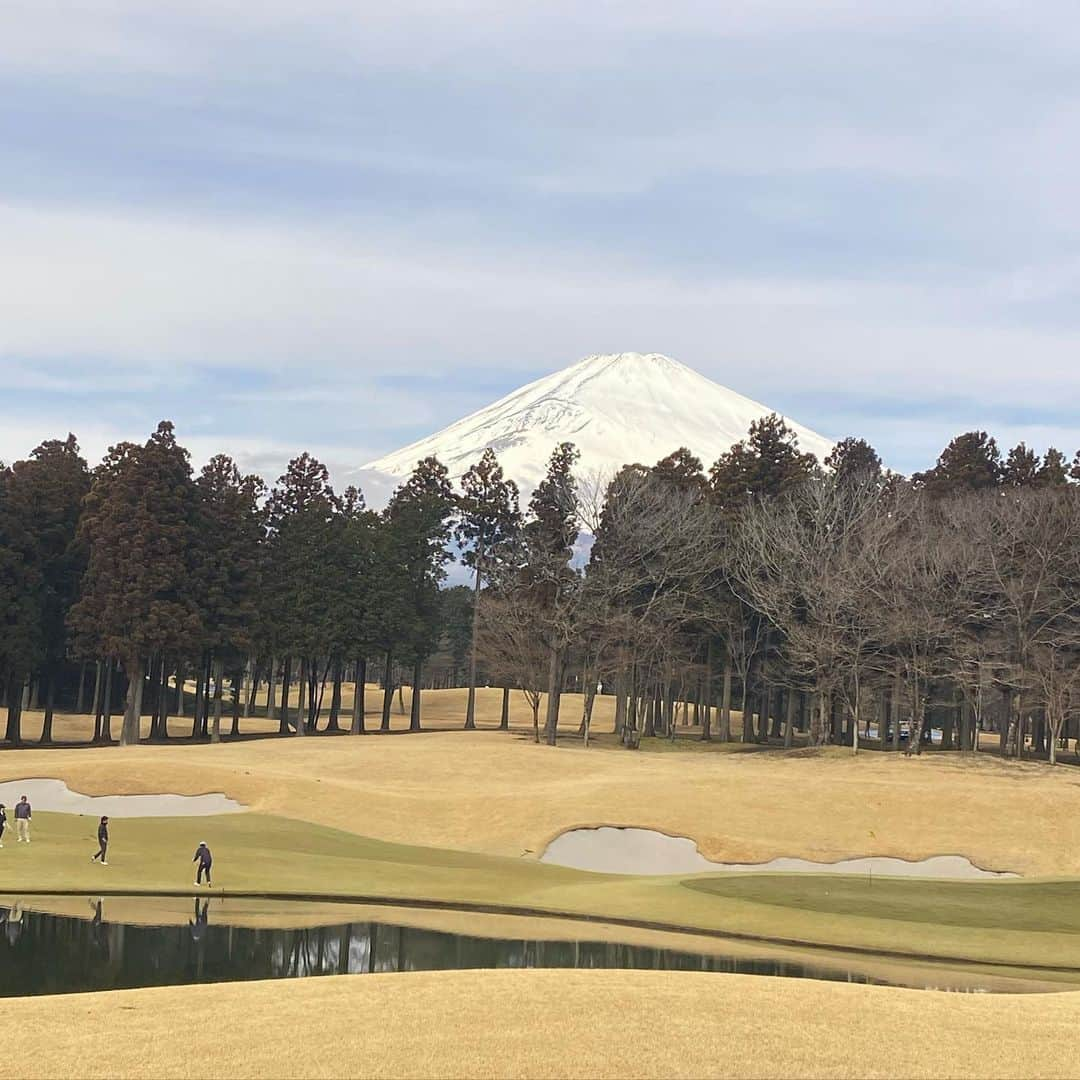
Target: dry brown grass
(499,793)
(442,710)
(539,1024)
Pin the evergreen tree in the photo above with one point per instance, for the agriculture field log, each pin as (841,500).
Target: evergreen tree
(419,517)
(1021,468)
(46,492)
(138,525)
(226,582)
(971,462)
(766,464)
(854,460)
(1054,470)
(489,521)
(548,578)
(21,607)
(304,582)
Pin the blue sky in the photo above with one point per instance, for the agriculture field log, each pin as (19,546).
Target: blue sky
(336,226)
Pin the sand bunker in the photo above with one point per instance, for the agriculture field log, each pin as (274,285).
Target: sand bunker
(56,796)
(643,851)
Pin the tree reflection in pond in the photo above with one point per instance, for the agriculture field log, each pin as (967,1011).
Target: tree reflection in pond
(52,954)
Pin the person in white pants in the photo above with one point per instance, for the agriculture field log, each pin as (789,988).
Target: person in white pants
(23,814)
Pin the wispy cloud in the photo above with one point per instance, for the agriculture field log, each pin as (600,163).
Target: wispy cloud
(343,224)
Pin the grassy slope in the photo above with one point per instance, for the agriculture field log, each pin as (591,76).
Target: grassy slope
(541,1023)
(497,793)
(1015,923)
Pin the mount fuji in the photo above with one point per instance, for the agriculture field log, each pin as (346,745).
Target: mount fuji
(617,409)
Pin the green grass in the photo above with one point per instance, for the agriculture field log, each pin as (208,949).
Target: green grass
(1043,907)
(1015,923)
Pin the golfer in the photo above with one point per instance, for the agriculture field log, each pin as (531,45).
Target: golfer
(205,860)
(103,842)
(3,823)
(23,814)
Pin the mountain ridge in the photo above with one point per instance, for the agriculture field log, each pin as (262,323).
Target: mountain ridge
(617,408)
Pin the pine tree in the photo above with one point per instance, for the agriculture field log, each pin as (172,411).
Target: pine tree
(139,528)
(971,462)
(766,464)
(548,578)
(226,582)
(1021,468)
(854,460)
(489,520)
(304,583)
(21,605)
(419,517)
(46,492)
(1054,470)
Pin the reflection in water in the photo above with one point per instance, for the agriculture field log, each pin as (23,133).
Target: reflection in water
(52,954)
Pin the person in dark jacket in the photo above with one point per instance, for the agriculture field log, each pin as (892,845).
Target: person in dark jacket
(3,823)
(23,814)
(103,842)
(205,861)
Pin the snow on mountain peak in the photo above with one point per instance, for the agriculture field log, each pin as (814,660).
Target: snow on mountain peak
(617,408)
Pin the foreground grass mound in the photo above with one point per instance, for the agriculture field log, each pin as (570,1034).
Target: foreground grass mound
(540,1024)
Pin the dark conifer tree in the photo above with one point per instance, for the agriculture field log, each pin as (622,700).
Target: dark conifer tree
(1021,468)
(548,578)
(226,582)
(139,527)
(304,583)
(854,460)
(971,462)
(419,517)
(489,521)
(767,463)
(21,606)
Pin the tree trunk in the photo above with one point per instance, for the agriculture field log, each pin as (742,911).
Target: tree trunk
(357,726)
(50,702)
(237,694)
(219,678)
(748,714)
(706,695)
(283,708)
(180,679)
(97,700)
(80,697)
(252,684)
(196,719)
(271,687)
(470,706)
(551,724)
(504,713)
(14,712)
(335,697)
(135,669)
(789,718)
(388,690)
(106,708)
(301,690)
(725,702)
(414,704)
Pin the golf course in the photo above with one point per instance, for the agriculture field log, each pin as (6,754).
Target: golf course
(444,830)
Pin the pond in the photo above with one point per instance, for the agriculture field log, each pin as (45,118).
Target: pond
(617,850)
(42,953)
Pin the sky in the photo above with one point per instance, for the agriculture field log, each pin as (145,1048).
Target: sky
(335,226)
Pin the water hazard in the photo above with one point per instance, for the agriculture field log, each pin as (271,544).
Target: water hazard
(42,953)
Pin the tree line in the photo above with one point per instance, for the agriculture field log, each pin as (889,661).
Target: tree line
(822,602)
(832,603)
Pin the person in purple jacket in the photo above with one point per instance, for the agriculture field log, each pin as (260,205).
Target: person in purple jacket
(205,860)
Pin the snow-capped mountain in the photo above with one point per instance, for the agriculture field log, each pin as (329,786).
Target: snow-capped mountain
(617,409)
